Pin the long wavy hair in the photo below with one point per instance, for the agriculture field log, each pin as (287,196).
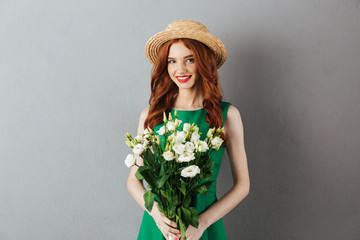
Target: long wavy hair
(164,90)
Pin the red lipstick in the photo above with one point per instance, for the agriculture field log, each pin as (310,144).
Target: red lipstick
(184,78)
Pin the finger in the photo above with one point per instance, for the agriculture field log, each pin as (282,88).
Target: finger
(164,234)
(169,231)
(167,220)
(174,231)
(170,223)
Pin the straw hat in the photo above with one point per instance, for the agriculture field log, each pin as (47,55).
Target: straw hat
(186,29)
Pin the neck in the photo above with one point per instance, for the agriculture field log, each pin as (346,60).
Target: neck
(188,99)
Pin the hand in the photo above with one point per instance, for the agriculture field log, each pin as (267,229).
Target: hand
(193,233)
(166,226)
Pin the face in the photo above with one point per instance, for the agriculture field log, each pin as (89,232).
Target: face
(181,66)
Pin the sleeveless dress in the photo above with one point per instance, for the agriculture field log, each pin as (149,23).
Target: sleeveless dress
(148,228)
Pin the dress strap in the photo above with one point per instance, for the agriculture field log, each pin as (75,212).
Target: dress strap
(224,107)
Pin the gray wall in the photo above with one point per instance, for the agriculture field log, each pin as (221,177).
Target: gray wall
(74,79)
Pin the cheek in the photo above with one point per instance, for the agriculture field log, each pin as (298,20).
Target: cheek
(170,71)
(193,69)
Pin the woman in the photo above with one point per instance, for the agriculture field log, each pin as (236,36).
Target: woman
(184,78)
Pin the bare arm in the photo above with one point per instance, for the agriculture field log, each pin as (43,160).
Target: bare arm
(233,128)
(137,191)
(134,185)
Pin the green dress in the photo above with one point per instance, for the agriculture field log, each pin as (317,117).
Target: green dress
(148,229)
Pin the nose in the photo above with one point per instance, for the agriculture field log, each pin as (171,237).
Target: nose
(182,67)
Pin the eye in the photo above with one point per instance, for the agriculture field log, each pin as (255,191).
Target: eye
(171,61)
(190,60)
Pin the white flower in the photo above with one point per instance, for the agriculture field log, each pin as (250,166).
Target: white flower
(138,149)
(202,146)
(180,137)
(171,139)
(216,142)
(161,131)
(190,171)
(189,146)
(186,157)
(146,143)
(130,160)
(177,122)
(186,127)
(179,148)
(170,125)
(146,131)
(195,136)
(168,155)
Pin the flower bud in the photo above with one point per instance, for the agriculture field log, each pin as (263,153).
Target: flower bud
(128,142)
(210,133)
(151,149)
(151,131)
(167,147)
(219,130)
(165,120)
(158,140)
(195,129)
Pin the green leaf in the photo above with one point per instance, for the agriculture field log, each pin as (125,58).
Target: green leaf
(205,176)
(210,165)
(203,160)
(149,200)
(144,168)
(138,175)
(201,189)
(187,201)
(186,216)
(160,207)
(194,217)
(172,209)
(149,159)
(163,193)
(145,171)
(181,224)
(175,200)
(162,180)
(182,187)
(162,170)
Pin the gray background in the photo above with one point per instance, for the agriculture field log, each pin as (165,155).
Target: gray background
(74,79)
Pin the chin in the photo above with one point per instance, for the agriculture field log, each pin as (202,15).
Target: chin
(182,86)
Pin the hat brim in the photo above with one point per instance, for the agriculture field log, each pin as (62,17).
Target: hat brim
(153,45)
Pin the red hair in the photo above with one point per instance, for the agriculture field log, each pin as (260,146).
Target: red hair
(164,90)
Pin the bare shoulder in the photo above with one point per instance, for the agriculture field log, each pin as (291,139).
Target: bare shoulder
(144,113)
(233,120)
(233,112)
(143,116)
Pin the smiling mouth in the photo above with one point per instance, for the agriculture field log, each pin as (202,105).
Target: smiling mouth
(183,79)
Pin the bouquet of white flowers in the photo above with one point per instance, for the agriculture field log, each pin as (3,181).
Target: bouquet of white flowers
(174,162)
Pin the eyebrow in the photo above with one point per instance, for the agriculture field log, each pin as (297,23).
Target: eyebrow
(184,57)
